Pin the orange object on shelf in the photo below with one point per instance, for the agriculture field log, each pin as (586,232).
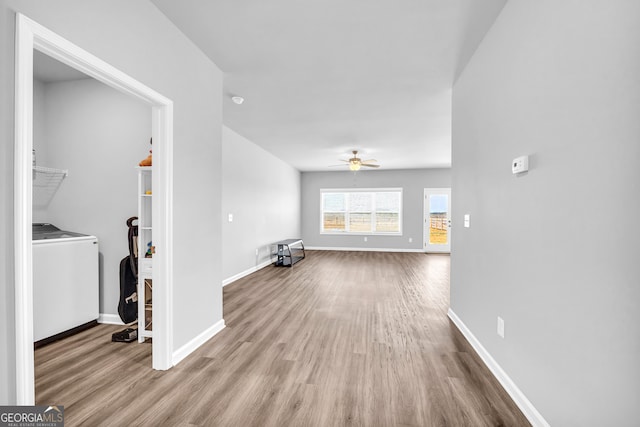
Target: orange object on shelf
(147,161)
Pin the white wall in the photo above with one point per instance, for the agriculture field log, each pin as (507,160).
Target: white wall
(554,252)
(413,183)
(263,194)
(140,41)
(99,135)
(39,139)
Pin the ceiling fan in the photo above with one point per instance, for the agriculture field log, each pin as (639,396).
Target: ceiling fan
(355,163)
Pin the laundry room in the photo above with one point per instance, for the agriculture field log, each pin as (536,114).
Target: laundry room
(88,139)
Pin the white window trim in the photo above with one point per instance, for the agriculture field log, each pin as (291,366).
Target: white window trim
(373,212)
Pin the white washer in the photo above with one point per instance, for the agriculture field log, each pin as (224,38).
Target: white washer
(65,280)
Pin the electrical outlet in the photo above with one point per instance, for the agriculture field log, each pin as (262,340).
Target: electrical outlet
(520,164)
(230,217)
(500,327)
(256,251)
(410,239)
(365,239)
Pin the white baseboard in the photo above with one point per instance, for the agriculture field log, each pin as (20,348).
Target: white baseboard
(325,248)
(247,272)
(195,343)
(527,408)
(110,319)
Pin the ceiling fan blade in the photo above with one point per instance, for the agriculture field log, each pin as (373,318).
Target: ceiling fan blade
(334,166)
(370,160)
(369,166)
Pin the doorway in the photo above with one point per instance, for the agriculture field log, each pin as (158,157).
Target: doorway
(437,220)
(32,36)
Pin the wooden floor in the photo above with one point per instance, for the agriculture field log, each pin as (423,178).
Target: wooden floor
(340,339)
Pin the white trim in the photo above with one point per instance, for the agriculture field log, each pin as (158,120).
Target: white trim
(361,233)
(246,272)
(527,408)
(25,376)
(162,213)
(336,248)
(29,36)
(361,190)
(199,340)
(110,319)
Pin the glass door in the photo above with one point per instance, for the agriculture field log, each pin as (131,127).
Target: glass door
(437,220)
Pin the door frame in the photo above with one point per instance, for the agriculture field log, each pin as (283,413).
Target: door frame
(29,36)
(426,225)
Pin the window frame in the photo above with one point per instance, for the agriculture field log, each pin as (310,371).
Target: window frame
(347,231)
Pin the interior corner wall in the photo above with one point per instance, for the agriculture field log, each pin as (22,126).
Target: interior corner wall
(553,251)
(136,38)
(413,182)
(99,135)
(262,193)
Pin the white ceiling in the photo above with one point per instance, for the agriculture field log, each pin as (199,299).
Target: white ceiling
(322,78)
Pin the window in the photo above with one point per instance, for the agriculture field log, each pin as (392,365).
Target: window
(368,211)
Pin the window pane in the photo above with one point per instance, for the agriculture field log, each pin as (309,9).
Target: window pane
(359,222)
(438,227)
(387,222)
(333,222)
(333,202)
(360,202)
(353,211)
(388,202)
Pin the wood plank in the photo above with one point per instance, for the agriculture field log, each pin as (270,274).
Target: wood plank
(344,338)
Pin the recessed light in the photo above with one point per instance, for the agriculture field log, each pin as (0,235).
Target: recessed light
(237,99)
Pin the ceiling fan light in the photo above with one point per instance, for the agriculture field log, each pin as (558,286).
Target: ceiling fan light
(354,166)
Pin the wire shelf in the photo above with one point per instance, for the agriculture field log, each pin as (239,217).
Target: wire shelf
(46,182)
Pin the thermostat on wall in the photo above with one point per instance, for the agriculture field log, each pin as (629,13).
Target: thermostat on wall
(520,164)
